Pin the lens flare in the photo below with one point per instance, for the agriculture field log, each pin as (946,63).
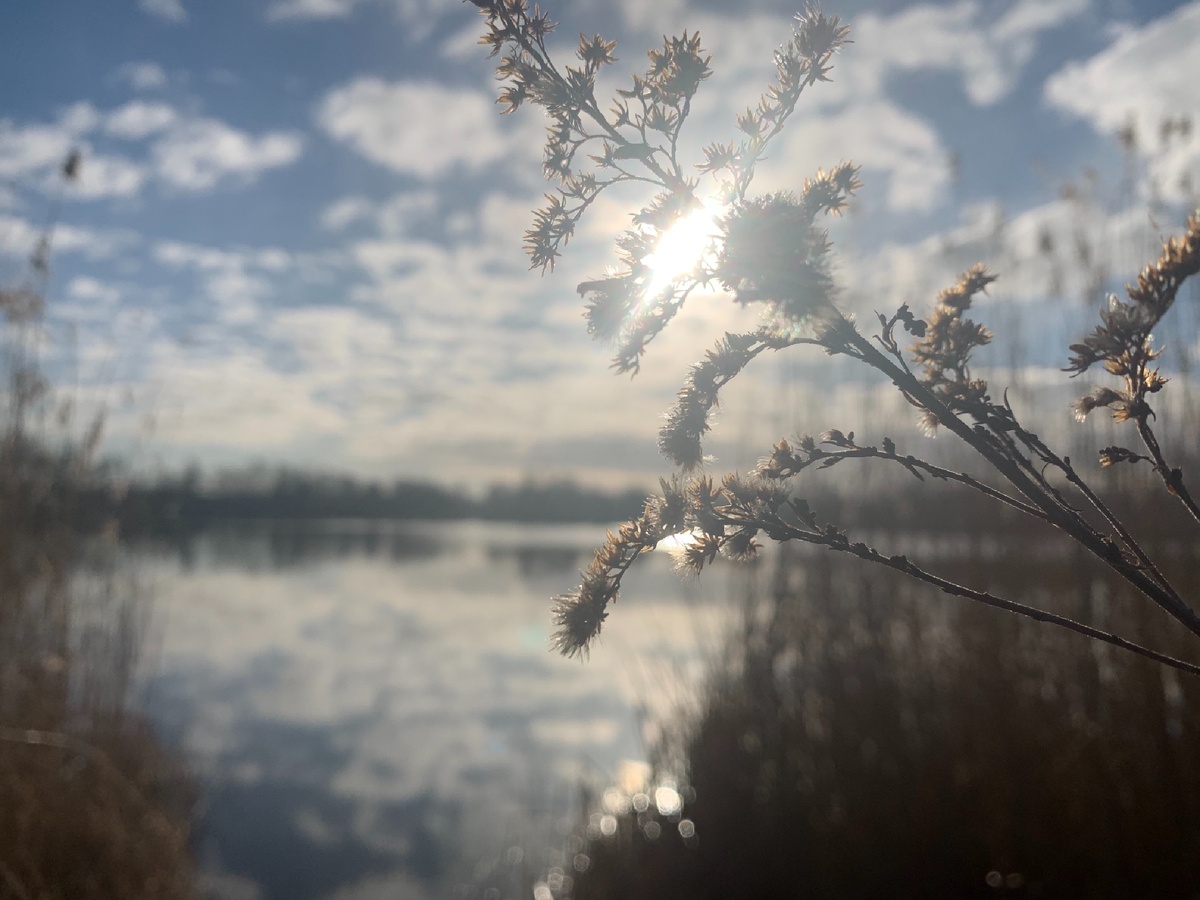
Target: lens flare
(682,247)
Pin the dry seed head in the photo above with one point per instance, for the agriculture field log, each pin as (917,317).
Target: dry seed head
(1099,397)
(741,546)
(578,618)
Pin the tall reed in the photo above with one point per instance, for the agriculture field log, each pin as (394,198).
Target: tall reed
(860,738)
(92,805)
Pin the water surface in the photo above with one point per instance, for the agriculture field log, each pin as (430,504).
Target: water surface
(372,707)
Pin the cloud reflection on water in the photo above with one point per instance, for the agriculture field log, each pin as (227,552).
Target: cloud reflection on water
(359,711)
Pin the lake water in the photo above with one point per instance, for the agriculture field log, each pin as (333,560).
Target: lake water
(372,708)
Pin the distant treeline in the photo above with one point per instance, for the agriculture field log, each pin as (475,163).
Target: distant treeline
(862,502)
(185,504)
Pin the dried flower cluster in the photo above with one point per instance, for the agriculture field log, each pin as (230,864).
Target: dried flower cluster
(945,349)
(638,140)
(1123,340)
(713,519)
(770,250)
(1124,344)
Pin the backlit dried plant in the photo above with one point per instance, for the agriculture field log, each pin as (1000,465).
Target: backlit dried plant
(771,250)
(1124,345)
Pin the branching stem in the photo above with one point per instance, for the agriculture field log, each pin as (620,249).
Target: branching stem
(1172,478)
(1056,511)
(902,564)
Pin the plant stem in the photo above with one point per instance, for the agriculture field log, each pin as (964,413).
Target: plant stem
(1058,513)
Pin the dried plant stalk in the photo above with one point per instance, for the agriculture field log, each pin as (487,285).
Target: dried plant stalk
(770,250)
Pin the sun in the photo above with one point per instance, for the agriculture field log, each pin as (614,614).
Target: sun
(681,247)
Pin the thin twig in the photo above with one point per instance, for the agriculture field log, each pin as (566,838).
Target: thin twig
(943,474)
(837,540)
(1172,478)
(1057,511)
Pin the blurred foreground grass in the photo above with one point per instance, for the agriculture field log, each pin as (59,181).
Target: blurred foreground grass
(862,736)
(91,804)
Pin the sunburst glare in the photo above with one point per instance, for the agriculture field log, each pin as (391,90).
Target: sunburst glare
(682,247)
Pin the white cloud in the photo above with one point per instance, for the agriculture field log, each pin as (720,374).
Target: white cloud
(338,340)
(1064,250)
(234,282)
(235,399)
(18,236)
(1146,76)
(404,267)
(405,212)
(525,392)
(420,128)
(199,256)
(657,18)
(79,118)
(344,212)
(85,288)
(989,57)
(191,154)
(463,45)
(139,119)
(198,153)
(882,137)
(308,10)
(964,36)
(36,152)
(142,76)
(94,244)
(167,10)
(90,301)
(1028,17)
(419,17)
(28,149)
(967,36)
(987,46)
(108,176)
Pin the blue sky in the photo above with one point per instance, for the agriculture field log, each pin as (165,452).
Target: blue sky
(297,237)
